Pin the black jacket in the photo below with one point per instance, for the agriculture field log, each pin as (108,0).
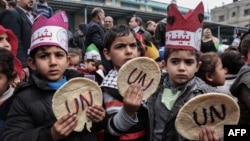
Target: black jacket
(31,117)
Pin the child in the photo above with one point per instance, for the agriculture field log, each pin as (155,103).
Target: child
(9,41)
(127,118)
(179,84)
(7,75)
(31,116)
(232,62)
(211,70)
(92,60)
(240,87)
(75,57)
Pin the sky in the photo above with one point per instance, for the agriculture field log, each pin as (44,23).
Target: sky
(208,4)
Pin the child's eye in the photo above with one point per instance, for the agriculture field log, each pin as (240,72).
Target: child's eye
(60,55)
(119,46)
(189,62)
(43,56)
(134,45)
(175,62)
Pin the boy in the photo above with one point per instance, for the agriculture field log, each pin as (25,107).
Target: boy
(240,87)
(127,118)
(75,57)
(92,59)
(7,75)
(179,84)
(31,116)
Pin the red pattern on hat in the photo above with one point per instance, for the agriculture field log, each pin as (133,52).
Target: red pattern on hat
(184,32)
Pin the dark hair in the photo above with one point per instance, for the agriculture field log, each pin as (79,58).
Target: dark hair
(7,64)
(245,45)
(231,59)
(116,31)
(138,20)
(12,3)
(96,11)
(148,23)
(168,52)
(160,32)
(208,64)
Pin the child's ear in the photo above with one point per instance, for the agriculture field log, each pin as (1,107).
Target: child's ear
(208,77)
(68,59)
(244,59)
(198,66)
(31,63)
(226,70)
(106,54)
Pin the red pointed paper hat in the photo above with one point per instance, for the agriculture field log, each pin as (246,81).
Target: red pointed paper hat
(184,32)
(50,32)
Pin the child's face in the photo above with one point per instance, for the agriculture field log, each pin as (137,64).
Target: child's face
(122,50)
(181,66)
(74,61)
(4,83)
(4,41)
(90,66)
(132,23)
(219,76)
(50,62)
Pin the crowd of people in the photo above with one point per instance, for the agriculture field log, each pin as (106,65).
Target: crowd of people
(37,56)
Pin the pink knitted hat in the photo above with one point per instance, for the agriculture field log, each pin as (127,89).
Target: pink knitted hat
(50,32)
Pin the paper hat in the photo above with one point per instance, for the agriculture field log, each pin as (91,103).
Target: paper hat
(14,44)
(50,31)
(92,53)
(184,32)
(150,50)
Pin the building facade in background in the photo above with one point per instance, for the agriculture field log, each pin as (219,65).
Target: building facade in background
(236,13)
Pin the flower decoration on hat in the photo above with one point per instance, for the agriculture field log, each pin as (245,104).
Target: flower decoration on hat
(51,31)
(184,31)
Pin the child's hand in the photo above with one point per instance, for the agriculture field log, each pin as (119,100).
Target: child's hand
(96,113)
(64,126)
(208,134)
(132,99)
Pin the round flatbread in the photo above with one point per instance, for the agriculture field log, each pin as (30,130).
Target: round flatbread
(212,109)
(141,70)
(76,96)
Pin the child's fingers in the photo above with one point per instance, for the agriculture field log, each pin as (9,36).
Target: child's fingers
(137,92)
(96,113)
(64,126)
(64,118)
(129,91)
(72,123)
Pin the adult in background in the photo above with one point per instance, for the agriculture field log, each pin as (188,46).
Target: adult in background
(208,41)
(95,34)
(237,39)
(42,7)
(7,4)
(136,24)
(20,20)
(108,23)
